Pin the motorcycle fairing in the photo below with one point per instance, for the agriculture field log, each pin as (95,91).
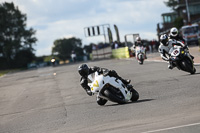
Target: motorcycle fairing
(99,81)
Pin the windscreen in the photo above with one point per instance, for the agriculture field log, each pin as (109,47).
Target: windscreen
(91,77)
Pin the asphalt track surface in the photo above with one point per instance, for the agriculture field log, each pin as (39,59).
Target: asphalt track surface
(51,100)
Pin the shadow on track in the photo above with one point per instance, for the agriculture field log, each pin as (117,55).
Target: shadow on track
(139,101)
(143,100)
(192,74)
(196,73)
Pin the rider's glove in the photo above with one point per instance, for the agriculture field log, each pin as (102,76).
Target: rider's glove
(185,47)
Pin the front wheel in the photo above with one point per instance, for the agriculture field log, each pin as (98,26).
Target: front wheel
(189,66)
(141,59)
(141,62)
(135,95)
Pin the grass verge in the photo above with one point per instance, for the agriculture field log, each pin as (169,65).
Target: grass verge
(3,72)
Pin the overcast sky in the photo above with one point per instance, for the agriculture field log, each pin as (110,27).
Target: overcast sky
(56,19)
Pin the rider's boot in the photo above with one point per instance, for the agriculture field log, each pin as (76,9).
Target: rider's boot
(170,67)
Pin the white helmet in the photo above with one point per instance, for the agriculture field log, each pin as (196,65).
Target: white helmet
(138,39)
(174,32)
(164,39)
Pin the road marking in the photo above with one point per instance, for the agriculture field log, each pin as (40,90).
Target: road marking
(156,61)
(170,128)
(151,60)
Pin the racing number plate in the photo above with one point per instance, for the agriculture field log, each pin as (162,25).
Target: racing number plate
(175,52)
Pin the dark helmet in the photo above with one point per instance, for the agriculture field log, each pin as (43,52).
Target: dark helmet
(164,39)
(83,70)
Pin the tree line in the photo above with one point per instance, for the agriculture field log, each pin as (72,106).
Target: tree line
(17,41)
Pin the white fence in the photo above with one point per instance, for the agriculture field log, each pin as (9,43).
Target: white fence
(102,53)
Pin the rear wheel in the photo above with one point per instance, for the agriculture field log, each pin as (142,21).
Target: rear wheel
(101,101)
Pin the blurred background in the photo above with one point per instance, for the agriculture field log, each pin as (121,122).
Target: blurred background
(36,33)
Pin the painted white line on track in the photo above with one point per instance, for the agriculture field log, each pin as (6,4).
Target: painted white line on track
(170,128)
(165,61)
(159,61)
(155,60)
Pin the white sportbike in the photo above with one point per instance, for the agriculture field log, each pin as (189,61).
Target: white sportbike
(140,54)
(112,89)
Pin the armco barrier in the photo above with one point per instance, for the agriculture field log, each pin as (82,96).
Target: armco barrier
(120,53)
(102,53)
(108,53)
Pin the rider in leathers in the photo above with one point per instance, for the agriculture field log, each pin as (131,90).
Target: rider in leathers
(140,44)
(84,71)
(174,35)
(165,45)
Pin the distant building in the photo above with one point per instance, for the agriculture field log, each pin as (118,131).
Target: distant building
(181,11)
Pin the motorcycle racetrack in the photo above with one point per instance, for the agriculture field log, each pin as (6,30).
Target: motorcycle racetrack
(51,100)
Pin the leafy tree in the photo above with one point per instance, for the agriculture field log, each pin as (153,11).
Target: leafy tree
(178,23)
(179,20)
(39,59)
(88,48)
(64,47)
(171,3)
(23,57)
(14,36)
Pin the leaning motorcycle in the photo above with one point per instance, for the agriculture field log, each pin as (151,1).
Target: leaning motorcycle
(140,54)
(182,59)
(112,89)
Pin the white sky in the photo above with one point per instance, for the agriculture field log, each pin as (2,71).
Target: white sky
(56,19)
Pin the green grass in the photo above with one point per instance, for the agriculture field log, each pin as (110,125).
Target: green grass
(3,72)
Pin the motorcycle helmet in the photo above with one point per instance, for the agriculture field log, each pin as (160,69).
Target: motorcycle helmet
(138,39)
(174,32)
(83,70)
(164,39)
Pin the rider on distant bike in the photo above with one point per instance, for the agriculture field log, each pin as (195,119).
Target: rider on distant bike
(174,35)
(139,43)
(84,71)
